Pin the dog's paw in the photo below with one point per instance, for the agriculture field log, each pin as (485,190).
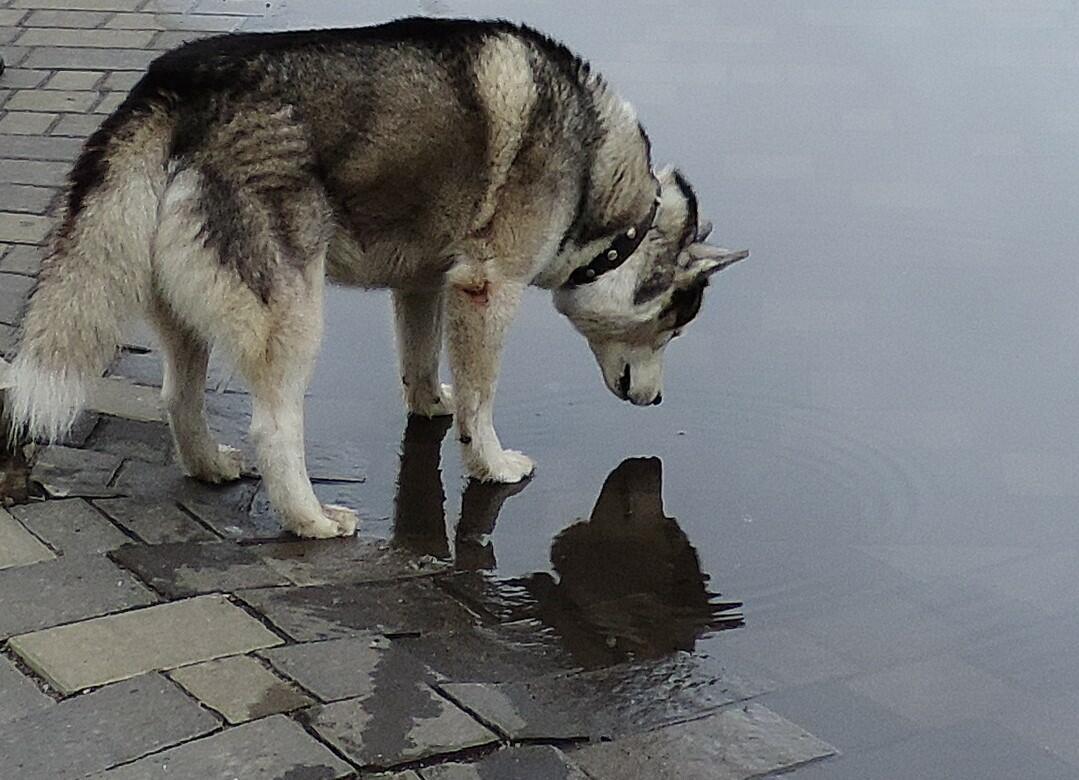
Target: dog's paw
(432,404)
(507,466)
(224,466)
(333,521)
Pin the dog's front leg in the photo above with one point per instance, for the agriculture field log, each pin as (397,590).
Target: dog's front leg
(478,314)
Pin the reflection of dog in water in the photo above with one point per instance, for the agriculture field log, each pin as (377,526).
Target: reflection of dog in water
(626,583)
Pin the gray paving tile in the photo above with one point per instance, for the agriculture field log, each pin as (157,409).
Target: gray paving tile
(66,471)
(98,39)
(24,197)
(155,522)
(222,507)
(56,18)
(8,339)
(520,763)
(24,123)
(507,653)
(148,441)
(22,78)
(22,259)
(65,57)
(162,21)
(606,702)
(331,561)
(80,5)
(19,695)
(165,636)
(13,291)
(240,688)
(71,526)
(338,669)
(75,127)
(75,79)
(735,744)
(189,568)
(396,724)
(18,228)
(38,172)
(330,611)
(36,148)
(19,547)
(74,587)
(273,747)
(101,729)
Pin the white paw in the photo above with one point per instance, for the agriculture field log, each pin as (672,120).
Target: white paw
(506,466)
(439,404)
(225,466)
(334,521)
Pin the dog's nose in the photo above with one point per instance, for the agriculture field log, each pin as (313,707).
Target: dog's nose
(658,399)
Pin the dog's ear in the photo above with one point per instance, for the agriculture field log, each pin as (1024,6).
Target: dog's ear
(702,260)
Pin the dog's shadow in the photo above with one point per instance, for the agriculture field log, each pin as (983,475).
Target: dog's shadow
(627,583)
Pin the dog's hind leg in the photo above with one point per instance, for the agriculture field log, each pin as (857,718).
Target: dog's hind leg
(186,358)
(418,317)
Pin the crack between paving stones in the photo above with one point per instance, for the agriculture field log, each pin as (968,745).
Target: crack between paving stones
(42,684)
(492,727)
(56,550)
(134,537)
(269,624)
(795,767)
(299,719)
(201,523)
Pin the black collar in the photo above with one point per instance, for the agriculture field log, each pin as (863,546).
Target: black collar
(616,253)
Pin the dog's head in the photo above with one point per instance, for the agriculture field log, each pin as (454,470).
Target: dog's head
(630,314)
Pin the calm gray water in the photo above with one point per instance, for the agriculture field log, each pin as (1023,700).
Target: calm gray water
(869,436)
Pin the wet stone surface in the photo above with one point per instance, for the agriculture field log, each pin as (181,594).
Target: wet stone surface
(148,441)
(273,747)
(71,526)
(189,568)
(240,688)
(66,471)
(90,733)
(741,742)
(338,669)
(19,547)
(400,721)
(74,587)
(329,611)
(519,763)
(153,521)
(606,702)
(341,561)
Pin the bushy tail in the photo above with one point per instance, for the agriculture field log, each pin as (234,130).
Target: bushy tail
(95,274)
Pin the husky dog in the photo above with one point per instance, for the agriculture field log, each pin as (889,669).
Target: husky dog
(452,161)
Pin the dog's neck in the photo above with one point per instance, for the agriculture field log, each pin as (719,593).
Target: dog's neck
(619,192)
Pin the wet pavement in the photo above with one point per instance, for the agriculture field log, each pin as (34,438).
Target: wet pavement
(850,529)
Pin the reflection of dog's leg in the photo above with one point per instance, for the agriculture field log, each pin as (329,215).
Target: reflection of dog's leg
(418,316)
(186,357)
(478,319)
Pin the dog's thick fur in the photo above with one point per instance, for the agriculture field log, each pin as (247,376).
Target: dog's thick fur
(454,162)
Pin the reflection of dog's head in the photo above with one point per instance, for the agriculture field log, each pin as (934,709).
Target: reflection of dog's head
(630,314)
(629,582)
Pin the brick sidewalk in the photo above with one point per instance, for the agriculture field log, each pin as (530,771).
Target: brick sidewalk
(152,626)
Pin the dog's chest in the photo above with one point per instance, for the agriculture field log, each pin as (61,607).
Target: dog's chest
(383,264)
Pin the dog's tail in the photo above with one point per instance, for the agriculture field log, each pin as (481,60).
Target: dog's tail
(96,270)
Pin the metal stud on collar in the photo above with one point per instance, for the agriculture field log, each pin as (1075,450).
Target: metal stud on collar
(613,254)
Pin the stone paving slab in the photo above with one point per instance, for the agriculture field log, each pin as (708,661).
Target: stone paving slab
(330,611)
(148,441)
(71,526)
(13,291)
(116,647)
(224,508)
(74,587)
(90,733)
(190,568)
(155,522)
(397,724)
(19,695)
(38,148)
(742,742)
(520,763)
(274,747)
(507,653)
(66,471)
(334,561)
(606,702)
(19,547)
(338,669)
(240,688)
